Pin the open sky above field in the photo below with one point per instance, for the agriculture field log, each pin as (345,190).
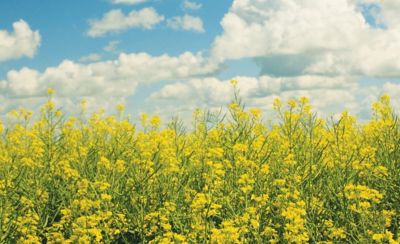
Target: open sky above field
(169,57)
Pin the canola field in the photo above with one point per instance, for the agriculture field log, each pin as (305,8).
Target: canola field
(238,178)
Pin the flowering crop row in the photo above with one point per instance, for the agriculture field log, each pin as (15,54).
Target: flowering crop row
(299,179)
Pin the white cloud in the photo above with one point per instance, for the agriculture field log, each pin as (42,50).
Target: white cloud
(251,87)
(93,57)
(21,42)
(107,79)
(182,97)
(393,90)
(271,27)
(115,21)
(23,82)
(130,2)
(329,96)
(189,5)
(111,46)
(186,22)
(377,56)
(331,37)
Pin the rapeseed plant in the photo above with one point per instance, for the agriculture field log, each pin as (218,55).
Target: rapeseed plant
(231,179)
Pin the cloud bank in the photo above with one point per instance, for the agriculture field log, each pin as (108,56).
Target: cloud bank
(322,49)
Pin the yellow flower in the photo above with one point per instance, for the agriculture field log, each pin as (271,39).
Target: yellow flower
(28,162)
(120,165)
(155,121)
(234,82)
(378,237)
(105,163)
(50,91)
(120,107)
(292,103)
(105,197)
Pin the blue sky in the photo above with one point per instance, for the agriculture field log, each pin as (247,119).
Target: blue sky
(169,57)
(63,26)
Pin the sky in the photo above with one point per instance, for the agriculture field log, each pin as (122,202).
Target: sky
(170,57)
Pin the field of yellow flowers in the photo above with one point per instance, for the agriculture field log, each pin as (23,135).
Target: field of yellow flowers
(231,179)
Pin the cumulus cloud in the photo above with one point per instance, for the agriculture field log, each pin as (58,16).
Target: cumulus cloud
(250,87)
(21,42)
(189,5)
(329,96)
(273,27)
(130,2)
(115,21)
(213,93)
(115,78)
(376,57)
(331,37)
(186,22)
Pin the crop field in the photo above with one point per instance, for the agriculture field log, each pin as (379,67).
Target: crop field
(237,178)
